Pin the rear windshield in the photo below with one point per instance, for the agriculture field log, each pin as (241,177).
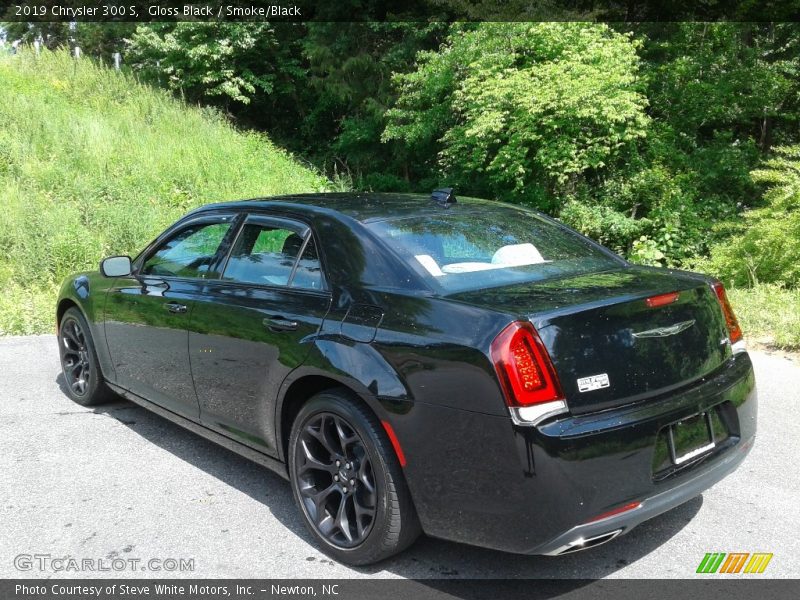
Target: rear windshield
(462,251)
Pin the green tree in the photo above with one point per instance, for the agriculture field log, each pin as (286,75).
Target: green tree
(52,35)
(781,173)
(708,77)
(98,40)
(764,247)
(524,111)
(102,40)
(219,63)
(719,95)
(349,88)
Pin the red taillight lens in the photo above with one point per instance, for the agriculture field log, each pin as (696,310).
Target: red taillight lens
(523,366)
(734,331)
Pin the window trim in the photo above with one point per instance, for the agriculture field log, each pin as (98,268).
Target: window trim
(298,227)
(296,264)
(211,218)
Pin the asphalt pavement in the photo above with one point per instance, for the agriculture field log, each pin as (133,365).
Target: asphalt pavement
(119,487)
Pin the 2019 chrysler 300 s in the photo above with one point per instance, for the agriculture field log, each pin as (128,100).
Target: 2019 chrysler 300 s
(466,368)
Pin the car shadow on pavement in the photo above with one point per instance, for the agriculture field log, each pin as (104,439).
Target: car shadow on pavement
(428,558)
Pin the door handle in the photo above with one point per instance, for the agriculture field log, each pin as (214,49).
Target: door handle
(278,323)
(174,307)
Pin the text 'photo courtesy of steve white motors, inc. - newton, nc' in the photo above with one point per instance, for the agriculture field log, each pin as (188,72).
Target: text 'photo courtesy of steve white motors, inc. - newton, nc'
(169,590)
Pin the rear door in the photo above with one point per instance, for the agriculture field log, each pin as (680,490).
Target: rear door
(254,325)
(147,314)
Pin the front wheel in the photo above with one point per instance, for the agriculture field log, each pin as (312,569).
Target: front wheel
(347,481)
(83,380)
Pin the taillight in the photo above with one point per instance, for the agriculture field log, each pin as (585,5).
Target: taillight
(734,331)
(523,366)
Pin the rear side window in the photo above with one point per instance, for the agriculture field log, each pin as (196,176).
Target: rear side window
(265,254)
(308,274)
(461,251)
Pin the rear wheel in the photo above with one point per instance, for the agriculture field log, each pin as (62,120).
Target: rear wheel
(82,377)
(347,481)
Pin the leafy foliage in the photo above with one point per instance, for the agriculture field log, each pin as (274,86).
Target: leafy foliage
(765,247)
(215,60)
(522,106)
(718,96)
(350,67)
(602,223)
(782,174)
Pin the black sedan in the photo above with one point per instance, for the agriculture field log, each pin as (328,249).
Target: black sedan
(469,369)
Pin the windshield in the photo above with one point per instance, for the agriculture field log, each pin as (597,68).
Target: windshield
(461,251)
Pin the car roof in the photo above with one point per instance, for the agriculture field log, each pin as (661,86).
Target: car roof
(362,206)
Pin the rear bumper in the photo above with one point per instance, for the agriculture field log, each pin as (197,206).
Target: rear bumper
(481,480)
(589,534)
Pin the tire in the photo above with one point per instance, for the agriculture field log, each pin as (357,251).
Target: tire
(378,510)
(83,380)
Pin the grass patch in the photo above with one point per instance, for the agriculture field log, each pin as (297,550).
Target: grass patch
(93,164)
(768,314)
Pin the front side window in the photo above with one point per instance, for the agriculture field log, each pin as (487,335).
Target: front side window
(460,251)
(189,253)
(267,254)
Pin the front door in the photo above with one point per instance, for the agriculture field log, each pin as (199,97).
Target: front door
(147,314)
(254,325)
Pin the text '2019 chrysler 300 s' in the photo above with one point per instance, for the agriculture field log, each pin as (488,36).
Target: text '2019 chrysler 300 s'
(464,368)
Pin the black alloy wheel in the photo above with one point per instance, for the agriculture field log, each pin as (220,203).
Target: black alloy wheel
(335,480)
(75,357)
(347,480)
(83,380)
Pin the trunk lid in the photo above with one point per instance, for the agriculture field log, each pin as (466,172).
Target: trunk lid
(607,345)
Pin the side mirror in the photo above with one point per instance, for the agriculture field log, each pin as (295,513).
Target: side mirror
(116,266)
